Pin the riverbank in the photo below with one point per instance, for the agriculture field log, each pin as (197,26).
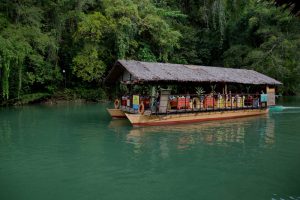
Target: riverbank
(77,95)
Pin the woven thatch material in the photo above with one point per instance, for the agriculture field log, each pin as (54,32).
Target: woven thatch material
(150,71)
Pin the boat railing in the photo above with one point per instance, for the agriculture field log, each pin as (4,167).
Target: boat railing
(183,103)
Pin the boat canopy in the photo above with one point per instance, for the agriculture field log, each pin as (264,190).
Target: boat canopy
(131,71)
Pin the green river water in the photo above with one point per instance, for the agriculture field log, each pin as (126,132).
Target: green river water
(76,151)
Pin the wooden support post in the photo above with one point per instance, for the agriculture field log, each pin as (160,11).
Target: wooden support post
(271,96)
(152,99)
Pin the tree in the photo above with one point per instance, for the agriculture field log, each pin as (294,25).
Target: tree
(270,39)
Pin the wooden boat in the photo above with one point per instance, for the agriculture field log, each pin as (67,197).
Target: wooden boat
(116,113)
(176,93)
(156,120)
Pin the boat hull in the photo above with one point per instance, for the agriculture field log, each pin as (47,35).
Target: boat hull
(156,120)
(116,113)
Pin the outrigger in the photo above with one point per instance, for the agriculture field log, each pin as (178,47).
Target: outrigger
(116,113)
(163,93)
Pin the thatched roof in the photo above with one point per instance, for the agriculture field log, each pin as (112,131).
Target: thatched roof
(153,72)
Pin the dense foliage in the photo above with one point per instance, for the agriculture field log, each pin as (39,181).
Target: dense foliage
(48,45)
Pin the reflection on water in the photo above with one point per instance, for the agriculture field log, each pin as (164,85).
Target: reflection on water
(5,128)
(268,135)
(222,133)
(118,123)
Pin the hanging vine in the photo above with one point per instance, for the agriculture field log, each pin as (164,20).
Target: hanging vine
(5,76)
(20,77)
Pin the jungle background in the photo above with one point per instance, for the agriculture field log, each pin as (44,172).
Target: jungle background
(65,48)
